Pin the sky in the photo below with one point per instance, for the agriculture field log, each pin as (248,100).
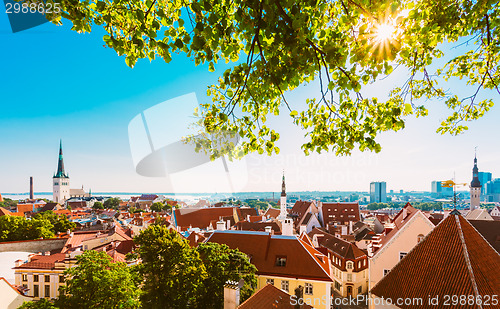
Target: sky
(58,84)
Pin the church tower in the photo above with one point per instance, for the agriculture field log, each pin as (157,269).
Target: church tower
(60,181)
(475,187)
(283,212)
(286,222)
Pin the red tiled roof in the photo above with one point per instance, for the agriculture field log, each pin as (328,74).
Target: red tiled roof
(43,261)
(243,212)
(272,212)
(403,217)
(453,259)
(4,212)
(300,209)
(302,261)
(202,217)
(257,226)
(340,212)
(341,248)
(270,297)
(490,230)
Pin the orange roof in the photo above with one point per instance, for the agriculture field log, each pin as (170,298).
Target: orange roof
(200,218)
(270,297)
(272,212)
(340,212)
(257,226)
(5,212)
(43,261)
(302,260)
(453,259)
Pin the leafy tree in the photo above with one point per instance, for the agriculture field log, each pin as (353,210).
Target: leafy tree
(157,206)
(342,46)
(97,282)
(223,264)
(113,203)
(13,228)
(173,271)
(40,304)
(98,205)
(60,222)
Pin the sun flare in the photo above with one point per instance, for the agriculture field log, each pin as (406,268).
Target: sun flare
(385,32)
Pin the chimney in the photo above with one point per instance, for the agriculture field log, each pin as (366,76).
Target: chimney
(31,187)
(232,294)
(221,225)
(269,229)
(248,218)
(299,294)
(302,229)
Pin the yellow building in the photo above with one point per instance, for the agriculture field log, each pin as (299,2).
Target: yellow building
(349,263)
(286,262)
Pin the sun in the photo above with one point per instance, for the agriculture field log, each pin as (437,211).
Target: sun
(385,32)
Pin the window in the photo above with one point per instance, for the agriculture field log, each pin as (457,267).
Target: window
(25,277)
(402,255)
(360,289)
(35,291)
(386,271)
(309,289)
(285,285)
(349,277)
(47,278)
(349,265)
(61,278)
(47,291)
(420,237)
(337,285)
(281,261)
(35,278)
(270,281)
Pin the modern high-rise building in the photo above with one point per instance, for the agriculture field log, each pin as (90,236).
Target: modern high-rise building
(484,178)
(475,187)
(438,191)
(492,190)
(378,192)
(60,181)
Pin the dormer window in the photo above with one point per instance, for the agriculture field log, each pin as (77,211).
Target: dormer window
(349,265)
(281,261)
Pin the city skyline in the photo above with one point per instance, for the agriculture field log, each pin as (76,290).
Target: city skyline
(93,126)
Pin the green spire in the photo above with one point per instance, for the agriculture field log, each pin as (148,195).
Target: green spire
(60,165)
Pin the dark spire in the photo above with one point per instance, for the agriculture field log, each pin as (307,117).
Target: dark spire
(283,193)
(60,165)
(475,183)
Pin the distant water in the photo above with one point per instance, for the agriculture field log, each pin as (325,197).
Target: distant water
(188,198)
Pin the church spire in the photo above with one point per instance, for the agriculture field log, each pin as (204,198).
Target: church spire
(60,165)
(283,191)
(475,183)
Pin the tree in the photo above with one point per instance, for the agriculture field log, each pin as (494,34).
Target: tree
(157,206)
(98,205)
(173,272)
(98,282)
(223,264)
(13,228)
(60,222)
(113,203)
(40,304)
(340,45)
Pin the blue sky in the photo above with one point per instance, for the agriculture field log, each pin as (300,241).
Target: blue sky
(58,84)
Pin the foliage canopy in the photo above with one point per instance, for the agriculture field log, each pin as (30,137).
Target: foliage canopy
(340,45)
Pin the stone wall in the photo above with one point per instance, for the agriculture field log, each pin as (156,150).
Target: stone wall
(37,245)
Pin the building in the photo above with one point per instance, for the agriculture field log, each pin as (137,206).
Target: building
(492,189)
(286,262)
(11,297)
(350,264)
(454,259)
(484,178)
(305,216)
(60,181)
(378,192)
(475,188)
(283,218)
(338,213)
(438,191)
(405,231)
(271,297)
